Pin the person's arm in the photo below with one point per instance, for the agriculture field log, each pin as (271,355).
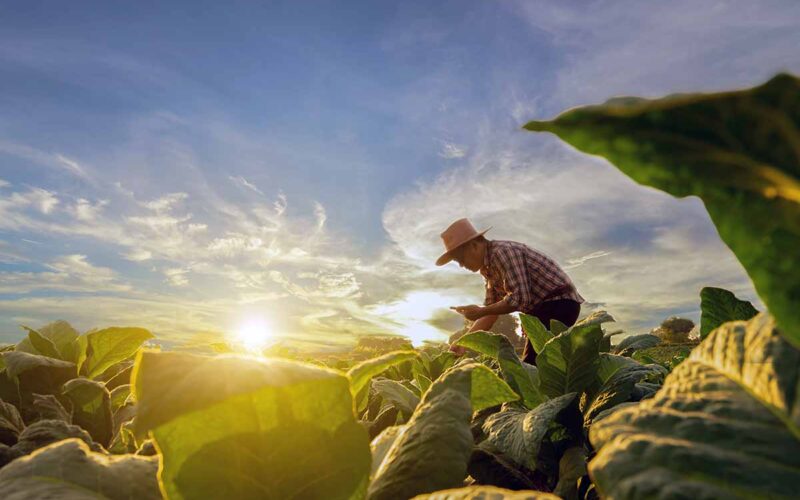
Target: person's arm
(483,324)
(498,309)
(475,312)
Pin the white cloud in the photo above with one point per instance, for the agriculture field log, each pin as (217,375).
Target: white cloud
(640,48)
(659,251)
(68,273)
(57,160)
(138,255)
(242,182)
(166,203)
(579,261)
(176,276)
(85,210)
(451,151)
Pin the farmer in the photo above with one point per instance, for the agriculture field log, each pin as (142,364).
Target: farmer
(518,278)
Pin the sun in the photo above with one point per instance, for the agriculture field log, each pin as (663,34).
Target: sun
(255,334)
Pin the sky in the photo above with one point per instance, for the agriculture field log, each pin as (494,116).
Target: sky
(190,167)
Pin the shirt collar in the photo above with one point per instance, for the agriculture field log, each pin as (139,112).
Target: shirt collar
(487,256)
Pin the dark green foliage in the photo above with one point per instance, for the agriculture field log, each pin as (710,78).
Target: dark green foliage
(724,426)
(91,408)
(70,470)
(719,306)
(737,151)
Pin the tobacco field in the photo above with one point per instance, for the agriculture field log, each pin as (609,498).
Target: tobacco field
(100,414)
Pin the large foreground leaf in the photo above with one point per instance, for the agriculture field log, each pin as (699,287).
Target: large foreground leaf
(738,151)
(69,470)
(726,424)
(486,493)
(432,450)
(569,361)
(718,306)
(515,373)
(236,427)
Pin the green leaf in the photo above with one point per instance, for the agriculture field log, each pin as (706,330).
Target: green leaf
(42,344)
(423,381)
(486,388)
(498,347)
(557,327)
(111,345)
(486,467)
(62,335)
(119,395)
(45,432)
(362,373)
(9,391)
(47,407)
(242,427)
(620,387)
(535,331)
(726,424)
(737,151)
(596,318)
(440,364)
(69,469)
(568,362)
(486,492)
(381,445)
(571,468)
(517,434)
(121,378)
(637,342)
(124,441)
(37,374)
(397,394)
(80,346)
(91,408)
(431,451)
(609,364)
(11,424)
(719,306)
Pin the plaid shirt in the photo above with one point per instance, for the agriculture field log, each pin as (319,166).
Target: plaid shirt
(523,276)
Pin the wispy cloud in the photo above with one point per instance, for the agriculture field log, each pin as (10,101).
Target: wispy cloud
(451,151)
(69,273)
(579,261)
(52,160)
(242,182)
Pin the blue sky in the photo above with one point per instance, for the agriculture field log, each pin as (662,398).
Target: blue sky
(185,167)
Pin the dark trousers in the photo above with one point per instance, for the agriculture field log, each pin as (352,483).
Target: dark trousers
(563,310)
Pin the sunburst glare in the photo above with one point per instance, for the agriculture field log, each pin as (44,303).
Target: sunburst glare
(255,334)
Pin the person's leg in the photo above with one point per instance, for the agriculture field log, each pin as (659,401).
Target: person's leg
(563,310)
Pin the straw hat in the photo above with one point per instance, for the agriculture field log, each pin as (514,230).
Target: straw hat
(459,232)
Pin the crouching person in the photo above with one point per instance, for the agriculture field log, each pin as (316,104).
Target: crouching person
(518,278)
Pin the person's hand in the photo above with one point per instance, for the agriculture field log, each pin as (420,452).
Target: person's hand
(471,312)
(457,349)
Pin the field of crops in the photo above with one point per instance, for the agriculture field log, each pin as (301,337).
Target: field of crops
(98,415)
